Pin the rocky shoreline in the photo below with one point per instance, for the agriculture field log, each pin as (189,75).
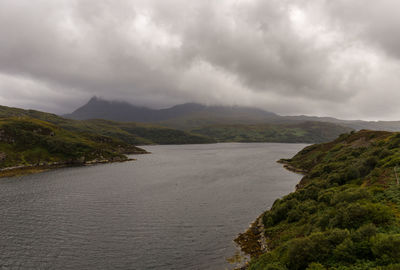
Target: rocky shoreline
(46,166)
(287,166)
(253,241)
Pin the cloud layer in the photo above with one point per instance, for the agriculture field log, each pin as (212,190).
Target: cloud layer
(339,58)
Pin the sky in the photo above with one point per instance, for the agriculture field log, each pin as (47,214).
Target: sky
(337,58)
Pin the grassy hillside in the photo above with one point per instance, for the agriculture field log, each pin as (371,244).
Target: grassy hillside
(307,132)
(345,213)
(193,131)
(31,142)
(132,133)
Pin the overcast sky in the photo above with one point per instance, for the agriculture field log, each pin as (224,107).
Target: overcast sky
(336,58)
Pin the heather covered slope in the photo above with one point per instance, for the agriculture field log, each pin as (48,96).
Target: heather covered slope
(345,213)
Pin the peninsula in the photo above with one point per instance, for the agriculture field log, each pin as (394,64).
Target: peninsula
(344,214)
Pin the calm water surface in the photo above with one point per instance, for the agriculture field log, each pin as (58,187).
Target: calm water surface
(178,208)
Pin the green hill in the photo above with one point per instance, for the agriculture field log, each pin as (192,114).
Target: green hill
(194,130)
(345,213)
(132,133)
(32,140)
(28,143)
(307,132)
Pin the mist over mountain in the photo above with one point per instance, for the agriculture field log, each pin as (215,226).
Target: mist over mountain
(193,115)
(97,108)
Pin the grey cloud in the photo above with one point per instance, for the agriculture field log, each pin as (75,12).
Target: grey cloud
(315,57)
(377,22)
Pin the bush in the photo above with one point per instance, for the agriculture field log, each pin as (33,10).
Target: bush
(345,251)
(354,215)
(316,266)
(325,196)
(386,247)
(317,247)
(336,178)
(294,215)
(352,173)
(350,195)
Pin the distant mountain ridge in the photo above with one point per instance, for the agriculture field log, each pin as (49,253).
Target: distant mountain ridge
(197,127)
(192,115)
(97,108)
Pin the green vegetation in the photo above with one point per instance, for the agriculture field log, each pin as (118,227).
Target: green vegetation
(307,132)
(31,141)
(345,213)
(132,133)
(28,142)
(193,130)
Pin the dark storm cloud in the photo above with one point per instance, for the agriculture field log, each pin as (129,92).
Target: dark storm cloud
(312,57)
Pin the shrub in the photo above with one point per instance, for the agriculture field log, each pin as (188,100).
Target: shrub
(316,266)
(350,195)
(352,173)
(354,215)
(294,215)
(325,196)
(317,247)
(345,251)
(386,247)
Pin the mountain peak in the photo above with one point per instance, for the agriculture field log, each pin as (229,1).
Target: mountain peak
(97,107)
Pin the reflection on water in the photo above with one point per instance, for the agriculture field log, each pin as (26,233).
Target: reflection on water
(178,208)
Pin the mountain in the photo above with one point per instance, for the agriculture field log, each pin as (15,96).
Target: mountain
(191,116)
(98,108)
(344,213)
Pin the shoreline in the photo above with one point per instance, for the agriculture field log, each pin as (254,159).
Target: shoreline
(253,242)
(286,164)
(43,167)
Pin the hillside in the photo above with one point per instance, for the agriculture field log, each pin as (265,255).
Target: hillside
(132,133)
(305,132)
(345,213)
(190,116)
(28,143)
(217,123)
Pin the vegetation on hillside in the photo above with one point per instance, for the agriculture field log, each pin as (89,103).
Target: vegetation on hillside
(307,132)
(192,131)
(345,213)
(31,142)
(132,133)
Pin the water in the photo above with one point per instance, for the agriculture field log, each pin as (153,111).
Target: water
(178,208)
